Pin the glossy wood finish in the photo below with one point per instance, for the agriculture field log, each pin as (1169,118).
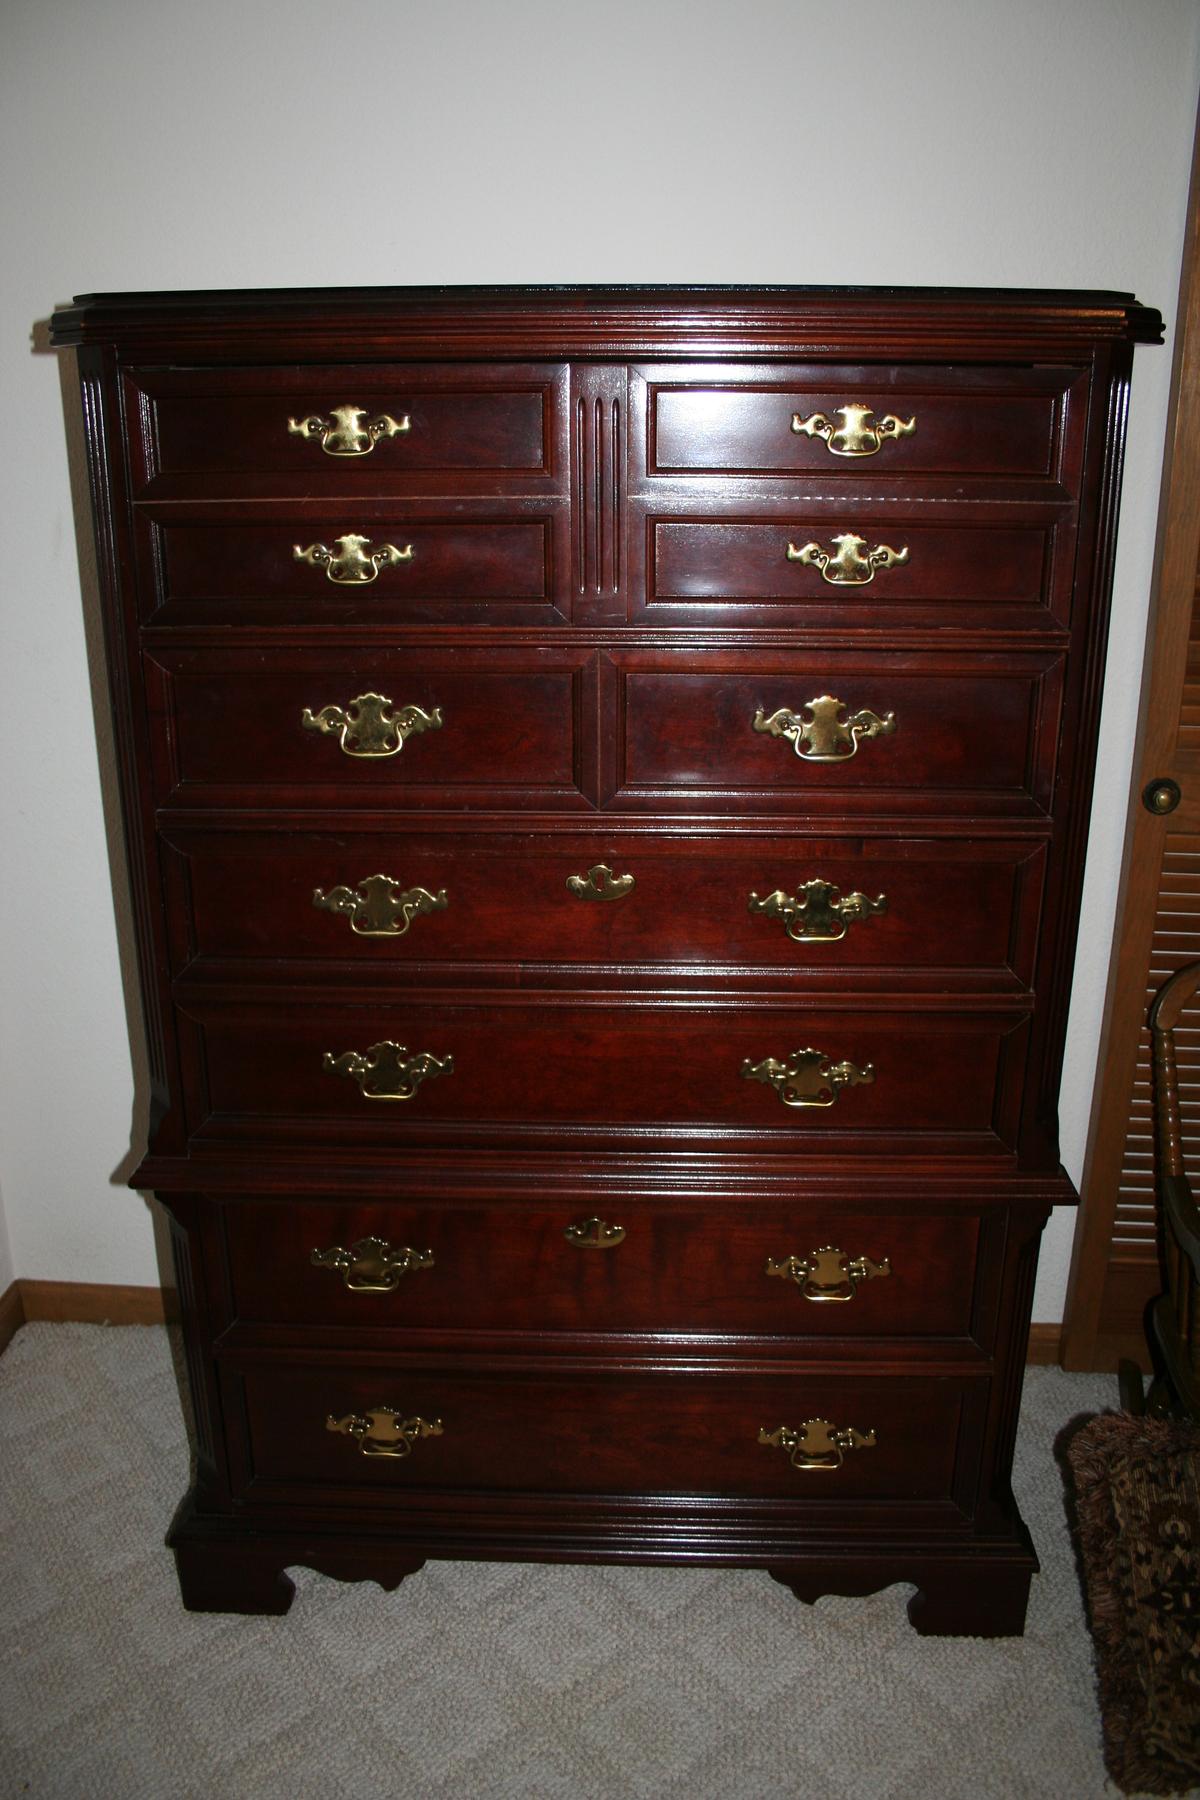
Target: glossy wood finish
(600,487)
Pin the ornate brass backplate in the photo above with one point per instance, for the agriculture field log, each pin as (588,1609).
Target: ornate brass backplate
(372,1265)
(383,1432)
(817,913)
(387,1071)
(595,1234)
(818,1444)
(825,734)
(370,726)
(828,1273)
(348,563)
(600,884)
(347,431)
(846,566)
(854,437)
(807,1078)
(379,906)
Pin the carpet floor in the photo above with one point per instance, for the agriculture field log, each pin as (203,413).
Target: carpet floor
(478,1681)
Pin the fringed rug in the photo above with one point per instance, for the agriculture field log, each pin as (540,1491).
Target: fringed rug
(1137,1494)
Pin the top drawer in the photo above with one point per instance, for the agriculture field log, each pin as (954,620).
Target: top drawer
(868,421)
(378,429)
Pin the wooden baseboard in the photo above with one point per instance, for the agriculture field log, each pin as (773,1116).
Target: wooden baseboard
(1045,1341)
(83,1302)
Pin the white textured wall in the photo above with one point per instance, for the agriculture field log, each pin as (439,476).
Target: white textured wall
(157,144)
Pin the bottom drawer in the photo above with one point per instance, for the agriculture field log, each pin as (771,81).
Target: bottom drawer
(399,1430)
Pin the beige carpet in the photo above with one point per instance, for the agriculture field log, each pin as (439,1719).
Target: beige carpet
(484,1681)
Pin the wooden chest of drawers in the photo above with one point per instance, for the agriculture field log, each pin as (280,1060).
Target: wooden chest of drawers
(606,777)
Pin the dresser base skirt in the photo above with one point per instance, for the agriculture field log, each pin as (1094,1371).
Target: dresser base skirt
(977,1588)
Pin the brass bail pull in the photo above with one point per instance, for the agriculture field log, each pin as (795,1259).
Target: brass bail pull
(349,563)
(818,1444)
(372,1265)
(595,1234)
(383,1431)
(348,431)
(854,436)
(845,565)
(824,730)
(600,884)
(828,1273)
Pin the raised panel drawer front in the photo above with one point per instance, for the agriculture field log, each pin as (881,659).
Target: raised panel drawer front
(375,428)
(514,1432)
(357,564)
(374,727)
(801,1271)
(440,1069)
(854,421)
(844,733)
(808,908)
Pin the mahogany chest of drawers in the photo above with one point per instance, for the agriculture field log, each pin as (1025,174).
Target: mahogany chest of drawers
(606,776)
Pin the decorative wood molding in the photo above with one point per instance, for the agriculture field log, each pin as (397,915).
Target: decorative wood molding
(1045,1341)
(12,1315)
(93,1303)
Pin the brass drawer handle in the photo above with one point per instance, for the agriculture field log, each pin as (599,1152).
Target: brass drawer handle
(379,906)
(854,437)
(828,1273)
(369,726)
(372,1265)
(807,1078)
(383,1432)
(600,884)
(817,913)
(846,566)
(824,736)
(347,431)
(595,1234)
(348,563)
(386,1071)
(818,1444)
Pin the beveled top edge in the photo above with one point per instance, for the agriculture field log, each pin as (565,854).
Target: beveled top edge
(607,315)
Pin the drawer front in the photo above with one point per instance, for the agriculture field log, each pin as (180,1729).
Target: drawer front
(916,732)
(802,1271)
(358,564)
(805,907)
(595,1434)
(374,727)
(354,429)
(861,421)
(513,1069)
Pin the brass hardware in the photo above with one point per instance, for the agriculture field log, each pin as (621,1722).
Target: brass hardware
(600,884)
(808,1078)
(854,437)
(595,1234)
(378,906)
(372,1265)
(382,1432)
(386,1071)
(348,563)
(847,567)
(828,1273)
(368,726)
(818,1444)
(817,913)
(343,433)
(825,736)
(1162,796)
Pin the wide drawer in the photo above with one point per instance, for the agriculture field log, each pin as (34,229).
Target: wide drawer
(451,727)
(806,906)
(372,428)
(873,422)
(366,563)
(911,1437)
(507,1067)
(807,1270)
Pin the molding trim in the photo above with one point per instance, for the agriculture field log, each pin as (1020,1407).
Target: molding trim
(1045,1343)
(83,1302)
(12,1315)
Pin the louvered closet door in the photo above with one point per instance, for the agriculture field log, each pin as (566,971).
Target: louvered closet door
(1114,1269)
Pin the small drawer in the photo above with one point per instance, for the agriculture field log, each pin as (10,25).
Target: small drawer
(359,564)
(838,422)
(804,1271)
(371,429)
(374,727)
(514,1069)
(401,1429)
(808,908)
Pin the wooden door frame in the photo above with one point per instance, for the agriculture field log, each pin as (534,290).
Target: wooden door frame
(1171,600)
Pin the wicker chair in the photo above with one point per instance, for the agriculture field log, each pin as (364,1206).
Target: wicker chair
(1173,1320)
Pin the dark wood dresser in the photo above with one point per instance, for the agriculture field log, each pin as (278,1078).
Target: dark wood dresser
(606,776)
